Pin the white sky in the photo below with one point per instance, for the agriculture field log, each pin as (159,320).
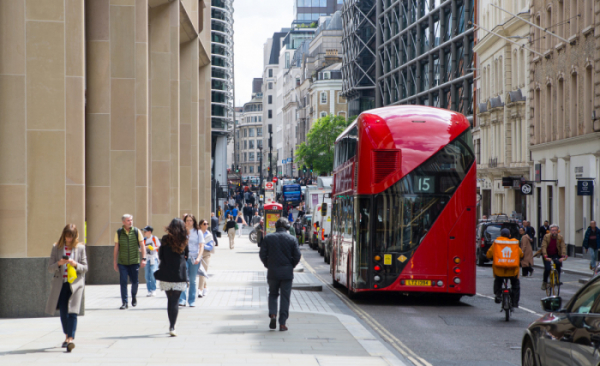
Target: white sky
(254,22)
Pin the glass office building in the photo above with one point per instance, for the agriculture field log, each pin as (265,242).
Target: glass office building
(308,11)
(221,89)
(423,51)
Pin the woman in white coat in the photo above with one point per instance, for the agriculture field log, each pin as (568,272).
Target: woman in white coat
(64,295)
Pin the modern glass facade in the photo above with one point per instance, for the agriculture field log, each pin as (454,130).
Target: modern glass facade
(222,66)
(408,52)
(425,53)
(308,11)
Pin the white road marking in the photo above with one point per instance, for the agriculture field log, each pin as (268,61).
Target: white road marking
(520,307)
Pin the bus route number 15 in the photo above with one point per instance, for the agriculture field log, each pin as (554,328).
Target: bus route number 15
(424,184)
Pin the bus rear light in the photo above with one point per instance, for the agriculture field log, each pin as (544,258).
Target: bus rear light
(456,260)
(457,280)
(377,258)
(377,268)
(440,283)
(377,278)
(456,270)
(375,286)
(482,242)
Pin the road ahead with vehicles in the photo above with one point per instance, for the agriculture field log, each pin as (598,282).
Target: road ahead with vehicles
(470,332)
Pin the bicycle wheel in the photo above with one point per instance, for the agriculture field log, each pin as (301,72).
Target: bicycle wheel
(550,285)
(507,314)
(556,284)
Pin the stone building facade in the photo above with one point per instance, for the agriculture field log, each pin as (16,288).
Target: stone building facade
(104,111)
(564,119)
(500,132)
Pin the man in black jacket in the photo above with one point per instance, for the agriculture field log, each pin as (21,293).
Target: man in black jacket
(214,227)
(279,252)
(544,229)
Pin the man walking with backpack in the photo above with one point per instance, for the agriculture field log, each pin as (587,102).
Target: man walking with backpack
(129,247)
(507,255)
(152,244)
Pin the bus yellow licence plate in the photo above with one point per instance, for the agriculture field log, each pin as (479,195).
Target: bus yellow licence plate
(418,283)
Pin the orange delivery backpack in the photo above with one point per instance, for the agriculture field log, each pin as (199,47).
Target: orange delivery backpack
(506,253)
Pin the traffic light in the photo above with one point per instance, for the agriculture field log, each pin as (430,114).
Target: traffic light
(311,167)
(237,170)
(304,168)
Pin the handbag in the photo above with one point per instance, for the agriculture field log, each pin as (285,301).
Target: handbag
(71,273)
(201,271)
(236,226)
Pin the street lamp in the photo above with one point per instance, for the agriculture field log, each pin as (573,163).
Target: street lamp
(260,166)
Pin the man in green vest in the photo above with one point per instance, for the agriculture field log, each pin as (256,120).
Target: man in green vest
(129,243)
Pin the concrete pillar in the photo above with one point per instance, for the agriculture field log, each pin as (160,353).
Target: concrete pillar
(116,126)
(41,144)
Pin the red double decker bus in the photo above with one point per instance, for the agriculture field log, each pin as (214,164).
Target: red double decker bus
(404,200)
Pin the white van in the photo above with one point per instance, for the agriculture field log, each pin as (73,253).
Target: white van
(325,226)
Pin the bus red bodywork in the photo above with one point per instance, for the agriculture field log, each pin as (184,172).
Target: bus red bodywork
(391,143)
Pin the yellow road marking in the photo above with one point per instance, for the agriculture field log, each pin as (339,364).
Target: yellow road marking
(384,333)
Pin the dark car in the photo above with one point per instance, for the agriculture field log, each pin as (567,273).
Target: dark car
(488,231)
(566,336)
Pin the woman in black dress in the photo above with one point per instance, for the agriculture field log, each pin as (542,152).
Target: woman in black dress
(172,272)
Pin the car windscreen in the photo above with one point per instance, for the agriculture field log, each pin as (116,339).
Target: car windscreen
(493,231)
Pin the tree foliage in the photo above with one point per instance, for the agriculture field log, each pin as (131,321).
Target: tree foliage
(319,146)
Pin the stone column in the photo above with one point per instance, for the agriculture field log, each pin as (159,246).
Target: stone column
(164,109)
(41,144)
(116,126)
(204,120)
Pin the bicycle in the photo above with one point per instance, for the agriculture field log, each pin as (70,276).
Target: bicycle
(553,287)
(506,299)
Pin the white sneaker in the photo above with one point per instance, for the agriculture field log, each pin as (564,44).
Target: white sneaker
(172,333)
(205,292)
(149,294)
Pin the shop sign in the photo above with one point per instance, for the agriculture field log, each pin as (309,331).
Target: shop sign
(585,188)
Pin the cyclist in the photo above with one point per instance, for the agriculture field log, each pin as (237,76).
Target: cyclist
(507,254)
(553,250)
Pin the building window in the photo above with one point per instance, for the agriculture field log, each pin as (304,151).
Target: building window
(323,97)
(589,12)
(574,118)
(259,143)
(340,98)
(287,60)
(245,157)
(548,135)
(251,132)
(270,86)
(245,133)
(270,73)
(269,114)
(245,145)
(251,144)
(560,106)
(549,38)
(573,13)
(259,132)
(342,114)
(560,19)
(588,96)
(259,118)
(323,114)
(237,133)
(536,33)
(251,169)
(251,158)
(270,99)
(245,170)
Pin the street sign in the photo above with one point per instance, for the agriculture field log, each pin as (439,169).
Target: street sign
(289,160)
(527,189)
(585,188)
(274,179)
(269,186)
(283,161)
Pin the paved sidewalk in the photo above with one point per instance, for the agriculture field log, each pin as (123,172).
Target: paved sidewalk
(579,265)
(227,327)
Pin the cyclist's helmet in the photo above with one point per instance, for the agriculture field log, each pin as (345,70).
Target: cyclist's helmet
(505,233)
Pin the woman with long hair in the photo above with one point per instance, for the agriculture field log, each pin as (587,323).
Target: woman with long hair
(230,227)
(209,245)
(172,271)
(196,247)
(241,222)
(66,293)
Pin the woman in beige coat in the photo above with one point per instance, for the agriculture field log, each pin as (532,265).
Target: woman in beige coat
(527,261)
(67,296)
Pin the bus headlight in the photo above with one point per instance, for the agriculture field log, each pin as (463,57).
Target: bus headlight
(457,280)
(440,283)
(377,278)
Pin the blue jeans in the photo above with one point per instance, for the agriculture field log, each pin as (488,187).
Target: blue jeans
(150,280)
(68,320)
(132,271)
(192,270)
(593,254)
